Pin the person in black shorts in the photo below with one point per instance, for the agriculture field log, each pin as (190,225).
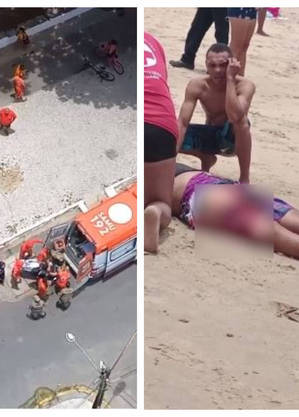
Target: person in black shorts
(159,144)
(159,163)
(160,141)
(225,98)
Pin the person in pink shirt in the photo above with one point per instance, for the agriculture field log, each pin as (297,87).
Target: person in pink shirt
(160,142)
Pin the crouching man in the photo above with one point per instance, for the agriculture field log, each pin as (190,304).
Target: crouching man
(225,98)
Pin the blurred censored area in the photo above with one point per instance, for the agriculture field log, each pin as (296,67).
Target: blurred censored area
(233,220)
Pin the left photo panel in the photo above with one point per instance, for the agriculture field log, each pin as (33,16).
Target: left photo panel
(68,207)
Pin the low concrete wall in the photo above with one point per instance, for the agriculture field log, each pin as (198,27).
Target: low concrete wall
(34,229)
(46,25)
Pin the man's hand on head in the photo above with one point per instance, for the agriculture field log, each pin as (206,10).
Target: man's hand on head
(233,68)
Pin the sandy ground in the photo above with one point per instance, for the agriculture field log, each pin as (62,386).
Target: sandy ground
(213,339)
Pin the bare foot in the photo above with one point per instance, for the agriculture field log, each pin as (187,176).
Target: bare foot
(151,229)
(261,32)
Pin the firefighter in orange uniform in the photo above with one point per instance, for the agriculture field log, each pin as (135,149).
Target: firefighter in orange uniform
(43,254)
(42,285)
(63,278)
(20,71)
(16,273)
(26,249)
(19,82)
(7,116)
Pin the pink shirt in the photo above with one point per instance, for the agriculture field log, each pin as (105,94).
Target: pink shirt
(158,105)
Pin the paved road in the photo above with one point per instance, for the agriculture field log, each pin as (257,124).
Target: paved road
(74,134)
(34,354)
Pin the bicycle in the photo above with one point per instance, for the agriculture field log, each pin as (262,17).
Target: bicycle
(100,70)
(116,65)
(113,61)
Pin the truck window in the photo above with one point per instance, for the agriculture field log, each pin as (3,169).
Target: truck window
(122,250)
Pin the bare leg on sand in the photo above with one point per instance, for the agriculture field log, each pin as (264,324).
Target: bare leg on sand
(158,188)
(241,34)
(261,20)
(243,147)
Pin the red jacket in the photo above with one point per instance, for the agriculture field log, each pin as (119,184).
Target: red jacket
(27,246)
(42,287)
(17,269)
(63,278)
(43,254)
(7,116)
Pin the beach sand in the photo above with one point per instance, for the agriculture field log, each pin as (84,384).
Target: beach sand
(213,339)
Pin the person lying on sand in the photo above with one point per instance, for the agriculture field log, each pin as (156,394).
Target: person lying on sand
(234,209)
(225,98)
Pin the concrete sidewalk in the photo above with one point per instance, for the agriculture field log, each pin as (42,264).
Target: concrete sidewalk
(54,47)
(57,53)
(41,23)
(75,134)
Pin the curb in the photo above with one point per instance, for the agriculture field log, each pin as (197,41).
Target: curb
(114,188)
(4,42)
(79,204)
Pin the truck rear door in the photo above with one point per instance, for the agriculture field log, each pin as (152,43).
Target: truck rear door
(84,270)
(56,233)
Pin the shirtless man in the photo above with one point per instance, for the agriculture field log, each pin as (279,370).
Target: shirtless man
(225,98)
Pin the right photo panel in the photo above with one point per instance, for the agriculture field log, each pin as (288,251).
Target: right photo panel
(221,219)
